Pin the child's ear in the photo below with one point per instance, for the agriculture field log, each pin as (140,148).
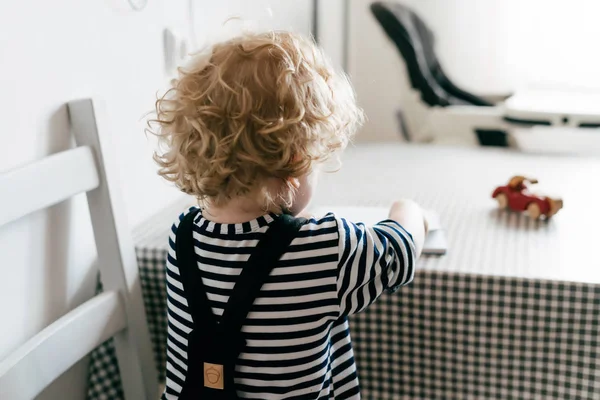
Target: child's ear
(295,182)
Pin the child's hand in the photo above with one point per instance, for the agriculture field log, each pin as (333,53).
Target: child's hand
(410,215)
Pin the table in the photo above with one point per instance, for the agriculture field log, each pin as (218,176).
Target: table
(554,121)
(511,312)
(554,107)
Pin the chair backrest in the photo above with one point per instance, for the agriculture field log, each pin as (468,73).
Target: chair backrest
(119,311)
(416,43)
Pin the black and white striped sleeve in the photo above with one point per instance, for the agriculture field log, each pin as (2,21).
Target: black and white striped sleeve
(372,259)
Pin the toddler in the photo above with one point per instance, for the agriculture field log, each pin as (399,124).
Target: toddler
(245,129)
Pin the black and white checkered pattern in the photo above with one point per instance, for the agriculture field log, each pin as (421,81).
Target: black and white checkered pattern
(461,336)
(104,381)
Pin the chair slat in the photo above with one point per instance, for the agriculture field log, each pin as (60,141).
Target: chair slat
(27,371)
(116,253)
(46,182)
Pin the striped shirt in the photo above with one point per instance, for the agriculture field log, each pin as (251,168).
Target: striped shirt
(298,341)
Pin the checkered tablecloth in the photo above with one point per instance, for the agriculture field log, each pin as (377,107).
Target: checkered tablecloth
(457,336)
(512,312)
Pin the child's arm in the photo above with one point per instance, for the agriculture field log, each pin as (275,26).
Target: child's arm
(376,258)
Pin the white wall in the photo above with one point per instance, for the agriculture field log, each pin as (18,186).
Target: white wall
(218,19)
(331,32)
(55,51)
(485,46)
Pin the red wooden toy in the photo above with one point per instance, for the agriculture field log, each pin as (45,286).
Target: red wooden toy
(517,197)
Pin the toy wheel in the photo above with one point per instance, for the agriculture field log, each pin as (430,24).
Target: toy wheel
(502,200)
(534,210)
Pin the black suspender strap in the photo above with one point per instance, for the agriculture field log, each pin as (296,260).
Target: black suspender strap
(247,287)
(190,273)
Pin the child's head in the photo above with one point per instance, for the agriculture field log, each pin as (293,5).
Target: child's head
(251,117)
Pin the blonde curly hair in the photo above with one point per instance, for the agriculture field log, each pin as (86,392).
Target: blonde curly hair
(251,108)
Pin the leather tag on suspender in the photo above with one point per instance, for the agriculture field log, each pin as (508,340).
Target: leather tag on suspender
(213,376)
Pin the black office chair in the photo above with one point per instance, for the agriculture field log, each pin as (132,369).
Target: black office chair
(415,41)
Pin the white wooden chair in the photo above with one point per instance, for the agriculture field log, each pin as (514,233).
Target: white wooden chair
(119,311)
